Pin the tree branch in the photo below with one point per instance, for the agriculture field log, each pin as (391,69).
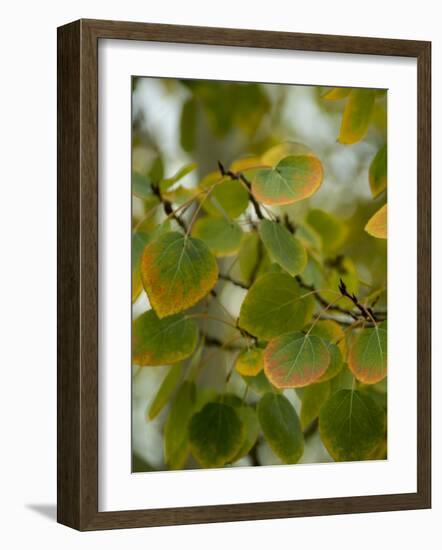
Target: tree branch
(167,206)
(367,313)
(239,176)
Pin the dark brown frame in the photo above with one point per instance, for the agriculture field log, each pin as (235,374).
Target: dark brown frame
(77,461)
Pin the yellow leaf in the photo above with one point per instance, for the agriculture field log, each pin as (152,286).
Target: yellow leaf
(377,224)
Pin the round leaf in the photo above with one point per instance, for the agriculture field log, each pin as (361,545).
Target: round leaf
(377,224)
(330,228)
(275,304)
(249,256)
(177,272)
(168,386)
(283,247)
(250,362)
(259,383)
(352,425)
(228,197)
(295,360)
(312,400)
(141,186)
(176,438)
(293,179)
(220,235)
(140,239)
(249,419)
(357,115)
(281,427)
(367,354)
(162,341)
(216,435)
(334,338)
(378,172)
(289,148)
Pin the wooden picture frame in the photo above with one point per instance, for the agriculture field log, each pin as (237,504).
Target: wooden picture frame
(78,274)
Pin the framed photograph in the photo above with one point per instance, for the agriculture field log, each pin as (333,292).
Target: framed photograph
(225,279)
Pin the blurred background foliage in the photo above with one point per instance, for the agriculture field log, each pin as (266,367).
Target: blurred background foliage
(177,123)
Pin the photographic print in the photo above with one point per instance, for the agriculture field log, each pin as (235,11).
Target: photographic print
(259,274)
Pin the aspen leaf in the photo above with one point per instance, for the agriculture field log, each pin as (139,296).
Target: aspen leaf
(259,383)
(180,174)
(351,425)
(227,197)
(288,148)
(222,236)
(367,354)
(140,239)
(250,362)
(334,338)
(330,228)
(313,398)
(377,224)
(295,360)
(281,427)
(293,179)
(165,391)
(249,255)
(162,341)
(334,94)
(177,272)
(357,115)
(283,247)
(275,304)
(216,435)
(176,438)
(141,186)
(377,173)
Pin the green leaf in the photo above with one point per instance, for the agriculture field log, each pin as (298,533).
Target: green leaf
(176,438)
(250,362)
(333,94)
(228,198)
(141,186)
(283,247)
(295,360)
(281,427)
(259,383)
(367,354)
(140,240)
(249,256)
(168,386)
(162,341)
(351,425)
(282,150)
(182,172)
(156,170)
(222,236)
(357,115)
(177,272)
(313,398)
(216,435)
(377,224)
(188,125)
(377,173)
(331,229)
(249,419)
(293,179)
(334,338)
(275,304)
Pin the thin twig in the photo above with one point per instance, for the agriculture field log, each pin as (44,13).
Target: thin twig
(167,206)
(239,176)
